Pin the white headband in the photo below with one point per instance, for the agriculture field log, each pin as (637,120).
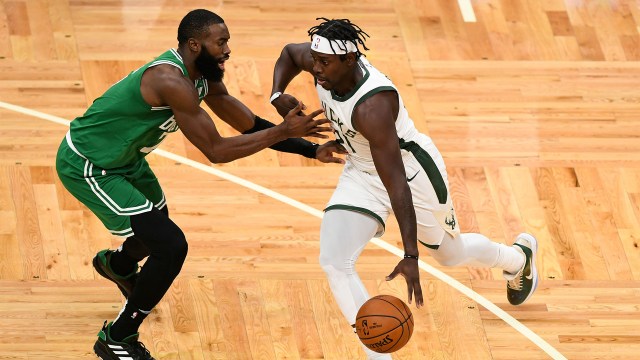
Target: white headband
(323,45)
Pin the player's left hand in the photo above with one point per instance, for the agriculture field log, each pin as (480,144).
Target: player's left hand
(324,153)
(408,268)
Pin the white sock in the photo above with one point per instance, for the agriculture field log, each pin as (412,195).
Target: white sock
(510,259)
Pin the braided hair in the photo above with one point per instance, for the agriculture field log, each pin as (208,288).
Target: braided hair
(338,32)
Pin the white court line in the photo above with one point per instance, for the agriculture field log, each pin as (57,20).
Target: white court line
(546,347)
(467,11)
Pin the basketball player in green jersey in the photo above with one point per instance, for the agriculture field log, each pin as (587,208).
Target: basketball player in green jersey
(390,168)
(102,162)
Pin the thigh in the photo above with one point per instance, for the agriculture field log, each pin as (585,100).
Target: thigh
(110,197)
(433,205)
(343,235)
(143,178)
(353,193)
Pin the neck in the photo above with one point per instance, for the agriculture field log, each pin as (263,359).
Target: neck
(189,62)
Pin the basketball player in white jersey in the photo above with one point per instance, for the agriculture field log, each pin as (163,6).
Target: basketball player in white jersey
(390,167)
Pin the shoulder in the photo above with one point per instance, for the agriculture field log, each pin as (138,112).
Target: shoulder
(301,54)
(166,76)
(376,100)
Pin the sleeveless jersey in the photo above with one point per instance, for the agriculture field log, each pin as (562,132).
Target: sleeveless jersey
(120,128)
(340,111)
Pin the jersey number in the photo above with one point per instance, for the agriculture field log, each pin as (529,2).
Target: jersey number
(167,127)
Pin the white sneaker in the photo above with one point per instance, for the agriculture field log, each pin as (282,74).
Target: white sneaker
(521,285)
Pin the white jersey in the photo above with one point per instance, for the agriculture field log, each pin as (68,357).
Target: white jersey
(340,111)
(360,189)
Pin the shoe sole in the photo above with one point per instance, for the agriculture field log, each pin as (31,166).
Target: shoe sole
(534,269)
(96,265)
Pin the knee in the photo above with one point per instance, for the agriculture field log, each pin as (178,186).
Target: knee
(171,246)
(178,246)
(335,264)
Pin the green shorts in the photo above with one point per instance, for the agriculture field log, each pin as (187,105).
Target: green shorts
(112,194)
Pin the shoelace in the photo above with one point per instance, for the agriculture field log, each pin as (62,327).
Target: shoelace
(138,351)
(516,283)
(141,351)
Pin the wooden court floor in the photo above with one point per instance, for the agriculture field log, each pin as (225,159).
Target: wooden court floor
(534,105)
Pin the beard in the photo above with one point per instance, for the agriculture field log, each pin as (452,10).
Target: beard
(208,65)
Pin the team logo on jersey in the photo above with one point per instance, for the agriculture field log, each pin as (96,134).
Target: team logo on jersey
(451,222)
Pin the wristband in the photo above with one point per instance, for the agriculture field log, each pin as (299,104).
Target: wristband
(292,145)
(275,96)
(407,256)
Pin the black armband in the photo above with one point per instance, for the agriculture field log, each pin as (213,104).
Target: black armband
(408,256)
(291,145)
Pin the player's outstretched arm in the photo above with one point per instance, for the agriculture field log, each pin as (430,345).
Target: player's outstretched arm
(240,117)
(375,120)
(173,89)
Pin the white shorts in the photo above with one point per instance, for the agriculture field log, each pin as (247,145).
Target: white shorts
(365,193)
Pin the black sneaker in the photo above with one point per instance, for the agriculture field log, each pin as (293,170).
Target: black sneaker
(125,283)
(129,348)
(521,285)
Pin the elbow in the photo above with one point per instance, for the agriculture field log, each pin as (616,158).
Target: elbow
(220,152)
(285,51)
(219,158)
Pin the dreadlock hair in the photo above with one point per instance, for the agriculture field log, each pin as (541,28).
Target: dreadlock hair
(340,31)
(195,23)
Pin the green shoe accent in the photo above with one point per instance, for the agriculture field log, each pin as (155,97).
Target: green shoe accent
(129,348)
(101,265)
(102,255)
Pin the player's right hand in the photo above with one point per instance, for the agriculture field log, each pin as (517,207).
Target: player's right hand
(284,103)
(300,125)
(408,268)
(325,152)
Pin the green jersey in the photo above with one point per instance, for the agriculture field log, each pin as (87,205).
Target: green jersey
(120,128)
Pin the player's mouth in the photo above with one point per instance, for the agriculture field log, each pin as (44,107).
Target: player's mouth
(221,63)
(322,82)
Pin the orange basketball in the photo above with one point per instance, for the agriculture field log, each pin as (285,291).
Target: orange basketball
(384,324)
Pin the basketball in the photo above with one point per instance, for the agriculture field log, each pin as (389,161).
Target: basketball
(384,324)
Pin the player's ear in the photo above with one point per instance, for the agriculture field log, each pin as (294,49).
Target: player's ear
(194,45)
(351,58)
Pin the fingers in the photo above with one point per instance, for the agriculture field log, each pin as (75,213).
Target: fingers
(321,121)
(409,290)
(393,275)
(317,135)
(297,108)
(330,159)
(319,128)
(315,113)
(418,292)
